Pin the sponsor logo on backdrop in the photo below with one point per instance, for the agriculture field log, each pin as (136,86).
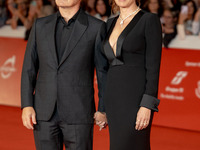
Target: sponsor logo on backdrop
(174,90)
(177,80)
(8,67)
(192,64)
(172,97)
(179,77)
(197,90)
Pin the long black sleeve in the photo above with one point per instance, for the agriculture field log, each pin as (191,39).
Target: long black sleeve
(30,70)
(101,66)
(153,36)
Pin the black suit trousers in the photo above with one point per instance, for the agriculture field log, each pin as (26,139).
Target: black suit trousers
(50,135)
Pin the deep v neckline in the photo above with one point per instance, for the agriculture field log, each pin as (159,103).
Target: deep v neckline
(120,35)
(117,59)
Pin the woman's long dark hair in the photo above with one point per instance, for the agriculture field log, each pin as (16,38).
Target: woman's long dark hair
(194,6)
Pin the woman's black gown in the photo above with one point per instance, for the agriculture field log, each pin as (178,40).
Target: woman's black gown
(132,79)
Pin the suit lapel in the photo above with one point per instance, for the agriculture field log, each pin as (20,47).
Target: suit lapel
(106,44)
(127,30)
(79,28)
(50,35)
(107,48)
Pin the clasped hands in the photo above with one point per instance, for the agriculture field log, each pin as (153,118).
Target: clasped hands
(142,120)
(101,120)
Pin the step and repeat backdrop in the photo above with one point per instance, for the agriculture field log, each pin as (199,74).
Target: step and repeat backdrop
(179,89)
(11,60)
(179,85)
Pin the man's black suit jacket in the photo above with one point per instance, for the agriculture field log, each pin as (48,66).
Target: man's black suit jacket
(45,84)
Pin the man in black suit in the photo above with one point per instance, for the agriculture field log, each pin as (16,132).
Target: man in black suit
(57,94)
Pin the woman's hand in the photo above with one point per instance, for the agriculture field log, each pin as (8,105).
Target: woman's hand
(143,118)
(197,16)
(10,5)
(182,18)
(101,120)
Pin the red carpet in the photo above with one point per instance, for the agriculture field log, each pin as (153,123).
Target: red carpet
(13,136)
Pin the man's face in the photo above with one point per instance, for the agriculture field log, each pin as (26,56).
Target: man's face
(67,3)
(168,18)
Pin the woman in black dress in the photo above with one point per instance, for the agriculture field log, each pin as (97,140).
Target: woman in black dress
(133,49)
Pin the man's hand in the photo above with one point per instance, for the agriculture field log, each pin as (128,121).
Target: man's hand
(143,118)
(101,120)
(28,117)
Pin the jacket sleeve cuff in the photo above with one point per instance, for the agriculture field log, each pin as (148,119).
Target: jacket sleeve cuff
(27,103)
(150,102)
(101,109)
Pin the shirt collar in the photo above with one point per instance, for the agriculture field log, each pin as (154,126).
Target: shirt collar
(59,17)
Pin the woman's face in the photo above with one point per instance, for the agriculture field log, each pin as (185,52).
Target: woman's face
(153,6)
(91,3)
(125,3)
(168,18)
(190,8)
(101,7)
